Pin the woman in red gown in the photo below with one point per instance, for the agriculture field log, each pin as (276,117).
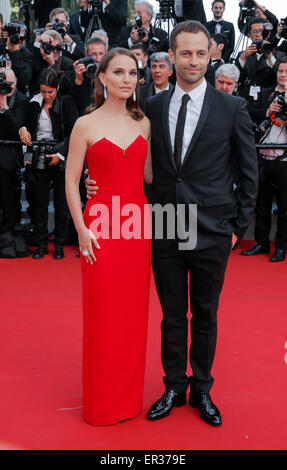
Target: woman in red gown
(114,240)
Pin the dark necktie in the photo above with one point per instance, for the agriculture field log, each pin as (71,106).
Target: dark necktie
(179,130)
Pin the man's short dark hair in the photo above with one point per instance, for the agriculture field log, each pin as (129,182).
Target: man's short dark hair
(219,39)
(218,1)
(188,26)
(255,21)
(282,60)
(140,46)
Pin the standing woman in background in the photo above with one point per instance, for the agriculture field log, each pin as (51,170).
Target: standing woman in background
(49,116)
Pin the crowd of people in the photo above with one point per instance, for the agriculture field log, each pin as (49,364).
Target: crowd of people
(47,82)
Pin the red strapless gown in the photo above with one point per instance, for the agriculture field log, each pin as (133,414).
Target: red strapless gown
(116,287)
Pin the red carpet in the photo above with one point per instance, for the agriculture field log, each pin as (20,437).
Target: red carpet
(40,351)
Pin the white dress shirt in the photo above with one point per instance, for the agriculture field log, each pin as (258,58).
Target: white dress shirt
(44,130)
(194,108)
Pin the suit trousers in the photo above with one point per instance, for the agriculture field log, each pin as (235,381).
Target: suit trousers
(40,183)
(272,182)
(198,275)
(10,194)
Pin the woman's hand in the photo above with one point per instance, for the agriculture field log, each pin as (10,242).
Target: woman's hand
(25,136)
(86,241)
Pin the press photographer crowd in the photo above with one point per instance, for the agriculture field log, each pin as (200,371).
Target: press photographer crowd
(48,61)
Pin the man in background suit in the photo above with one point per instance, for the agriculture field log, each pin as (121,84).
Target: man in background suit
(194,134)
(161,69)
(219,26)
(189,10)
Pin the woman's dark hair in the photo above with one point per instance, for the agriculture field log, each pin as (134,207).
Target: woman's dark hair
(99,99)
(50,77)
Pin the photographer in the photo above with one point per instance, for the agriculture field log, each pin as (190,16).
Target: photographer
(83,86)
(59,21)
(49,116)
(11,162)
(249,9)
(143,31)
(47,52)
(257,65)
(281,34)
(218,43)
(141,54)
(112,16)
(21,57)
(273,173)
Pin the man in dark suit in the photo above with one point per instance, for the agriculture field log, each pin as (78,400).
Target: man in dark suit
(219,26)
(161,69)
(194,134)
(189,10)
(192,164)
(129,36)
(11,161)
(112,18)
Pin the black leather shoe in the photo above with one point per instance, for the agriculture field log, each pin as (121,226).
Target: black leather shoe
(163,406)
(208,410)
(278,255)
(40,252)
(59,252)
(256,249)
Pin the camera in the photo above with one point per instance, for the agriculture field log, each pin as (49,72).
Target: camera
(47,47)
(96,6)
(37,155)
(59,27)
(153,45)
(5,87)
(283,23)
(263,47)
(267,123)
(165,8)
(141,67)
(15,31)
(248,10)
(90,64)
(140,30)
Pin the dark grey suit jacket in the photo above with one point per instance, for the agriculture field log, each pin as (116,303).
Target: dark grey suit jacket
(205,178)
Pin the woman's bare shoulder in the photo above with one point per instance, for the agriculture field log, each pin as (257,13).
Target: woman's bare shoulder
(145,126)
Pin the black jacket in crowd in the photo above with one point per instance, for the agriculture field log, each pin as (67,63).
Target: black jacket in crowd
(64,63)
(11,157)
(63,116)
(125,32)
(193,10)
(228,31)
(22,65)
(112,20)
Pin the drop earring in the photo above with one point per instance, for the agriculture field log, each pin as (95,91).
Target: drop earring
(105,92)
(134,96)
